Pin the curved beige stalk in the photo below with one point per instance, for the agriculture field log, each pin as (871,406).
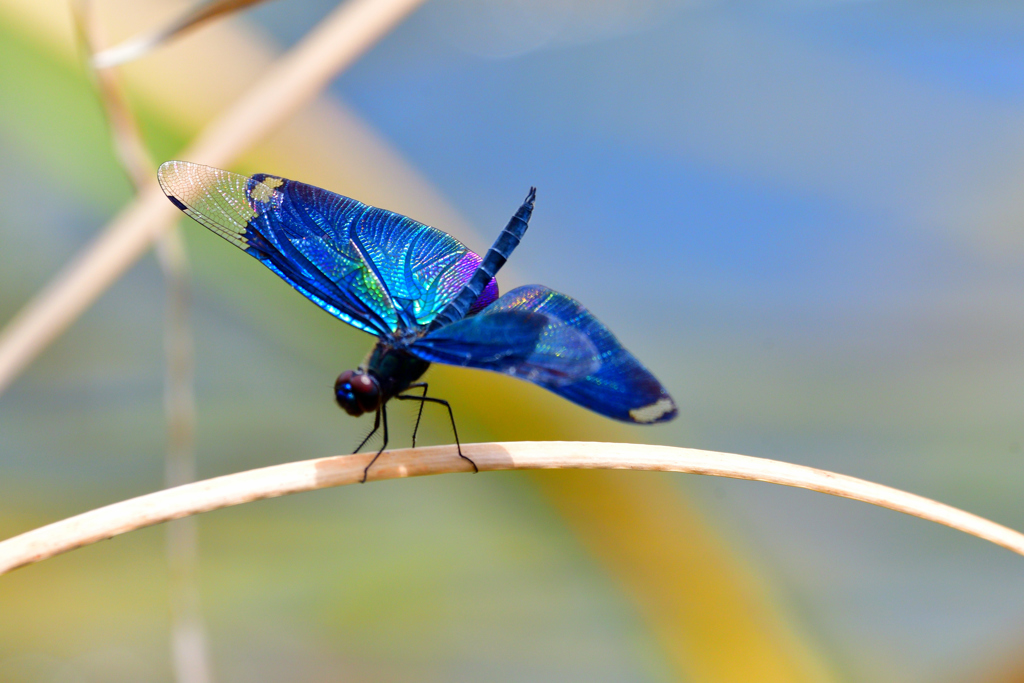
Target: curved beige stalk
(308,475)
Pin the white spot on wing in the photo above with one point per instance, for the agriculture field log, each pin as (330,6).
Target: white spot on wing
(264,191)
(654,411)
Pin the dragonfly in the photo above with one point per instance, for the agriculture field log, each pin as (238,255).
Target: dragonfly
(424,295)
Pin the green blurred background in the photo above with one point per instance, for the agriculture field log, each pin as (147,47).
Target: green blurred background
(803,216)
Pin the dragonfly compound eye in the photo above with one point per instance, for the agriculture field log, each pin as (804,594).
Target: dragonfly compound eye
(357,392)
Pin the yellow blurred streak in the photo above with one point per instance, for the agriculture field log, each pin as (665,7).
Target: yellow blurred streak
(515,410)
(712,618)
(1009,668)
(707,612)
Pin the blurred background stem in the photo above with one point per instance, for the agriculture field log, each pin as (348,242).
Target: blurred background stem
(189,652)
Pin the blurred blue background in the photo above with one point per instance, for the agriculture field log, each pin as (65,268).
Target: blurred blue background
(803,216)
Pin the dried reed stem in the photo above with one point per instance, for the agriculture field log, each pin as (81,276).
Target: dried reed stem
(308,475)
(140,45)
(287,85)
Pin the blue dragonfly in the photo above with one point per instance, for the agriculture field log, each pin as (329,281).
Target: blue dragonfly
(424,295)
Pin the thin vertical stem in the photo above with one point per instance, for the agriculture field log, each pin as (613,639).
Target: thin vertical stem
(190,655)
(188,639)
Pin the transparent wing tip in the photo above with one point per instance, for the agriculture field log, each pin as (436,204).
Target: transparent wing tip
(173,176)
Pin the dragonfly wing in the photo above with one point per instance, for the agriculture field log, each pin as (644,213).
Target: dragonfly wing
(525,344)
(376,270)
(553,341)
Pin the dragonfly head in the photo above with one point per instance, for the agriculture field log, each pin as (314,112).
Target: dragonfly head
(357,392)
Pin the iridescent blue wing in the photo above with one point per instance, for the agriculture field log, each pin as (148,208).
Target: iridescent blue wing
(375,269)
(550,339)
(525,344)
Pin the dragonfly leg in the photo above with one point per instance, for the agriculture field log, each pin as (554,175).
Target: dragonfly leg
(451,416)
(376,426)
(382,414)
(419,413)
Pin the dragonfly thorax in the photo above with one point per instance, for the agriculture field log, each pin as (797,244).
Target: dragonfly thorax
(389,371)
